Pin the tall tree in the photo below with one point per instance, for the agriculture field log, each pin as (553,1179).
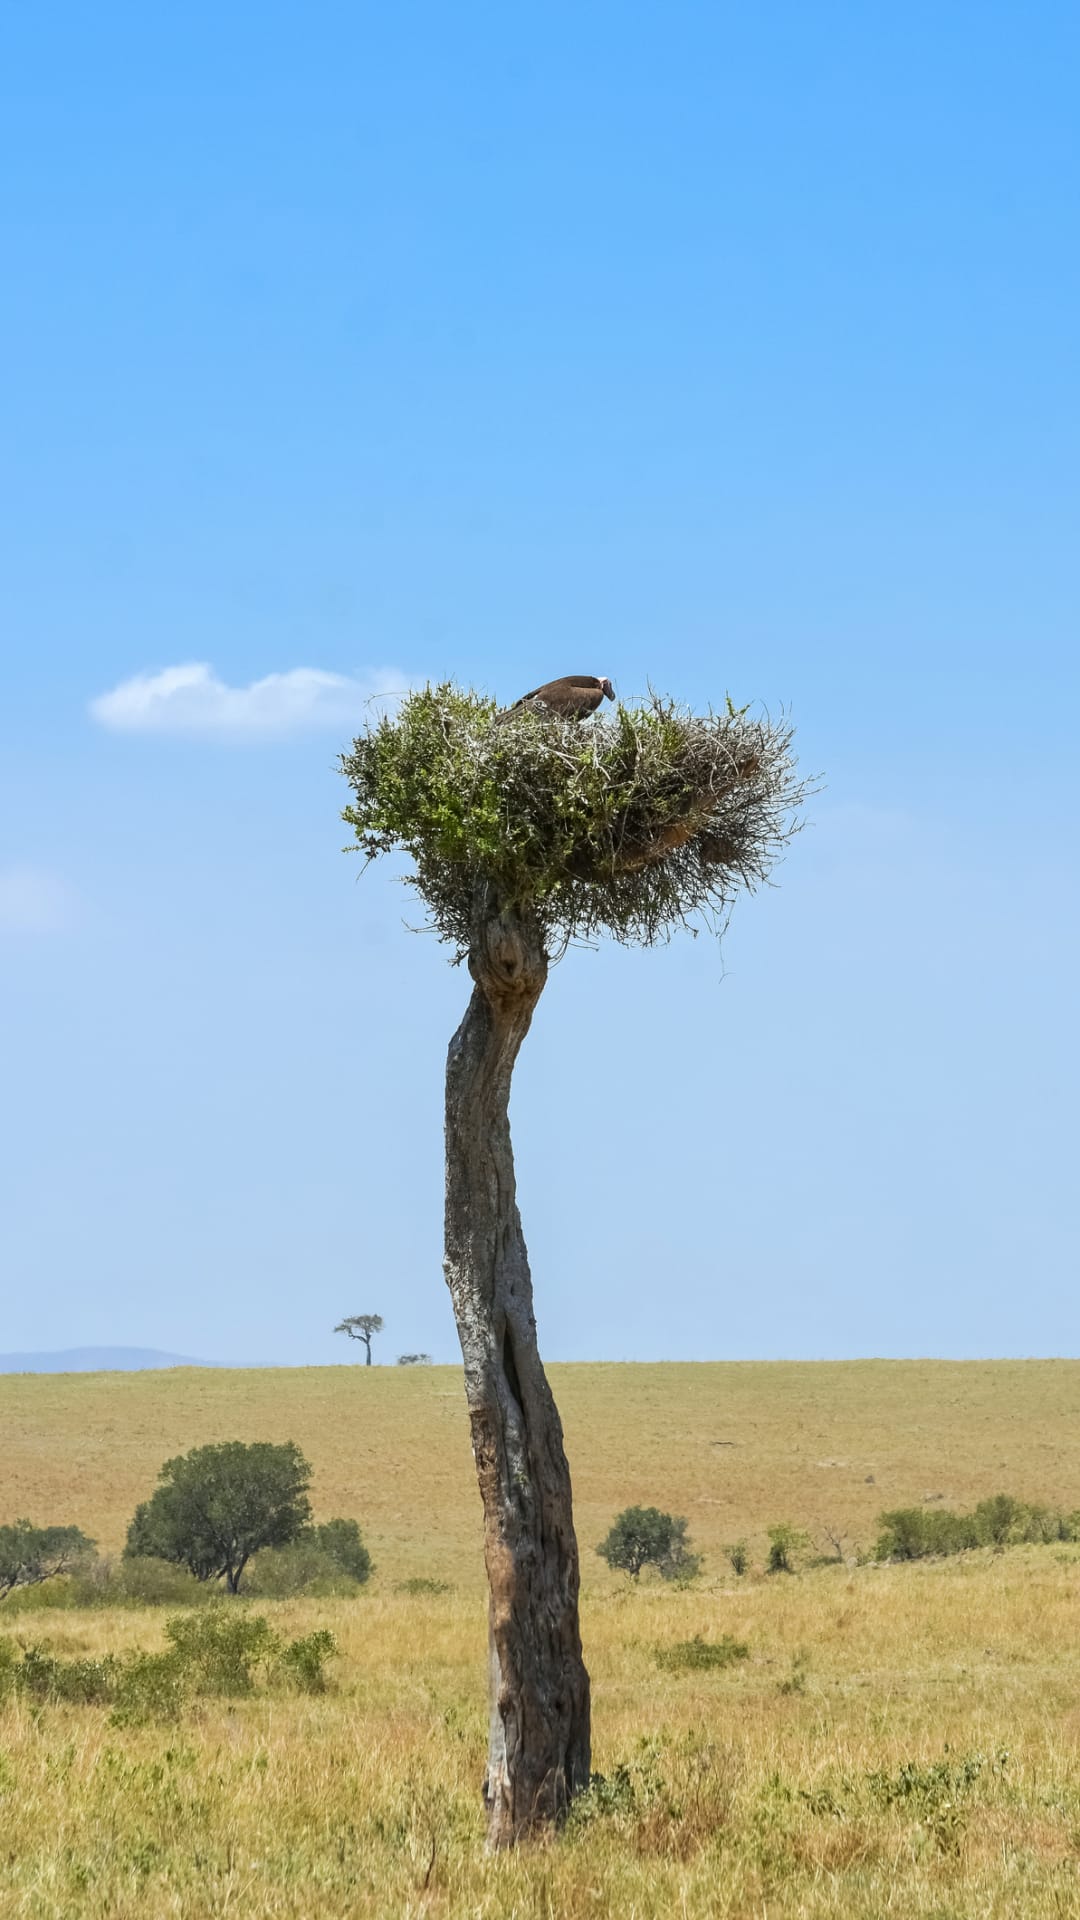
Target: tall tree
(217,1505)
(524,836)
(361,1326)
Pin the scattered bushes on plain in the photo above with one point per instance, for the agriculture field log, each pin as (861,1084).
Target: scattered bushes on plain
(217,1650)
(421,1583)
(916,1533)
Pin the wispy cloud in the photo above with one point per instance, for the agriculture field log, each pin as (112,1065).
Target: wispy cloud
(193,699)
(32,901)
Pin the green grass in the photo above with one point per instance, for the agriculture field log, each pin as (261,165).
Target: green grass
(926,1762)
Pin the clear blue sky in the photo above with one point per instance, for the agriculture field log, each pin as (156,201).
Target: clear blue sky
(731,348)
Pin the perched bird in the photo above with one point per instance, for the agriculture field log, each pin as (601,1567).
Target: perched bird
(572,698)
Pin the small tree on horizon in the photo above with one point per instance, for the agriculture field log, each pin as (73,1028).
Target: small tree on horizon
(529,832)
(218,1505)
(361,1326)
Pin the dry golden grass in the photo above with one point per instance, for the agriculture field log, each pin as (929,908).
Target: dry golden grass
(773,1788)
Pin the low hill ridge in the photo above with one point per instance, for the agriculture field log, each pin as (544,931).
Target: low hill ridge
(97,1360)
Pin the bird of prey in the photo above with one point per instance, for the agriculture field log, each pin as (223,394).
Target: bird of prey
(572,698)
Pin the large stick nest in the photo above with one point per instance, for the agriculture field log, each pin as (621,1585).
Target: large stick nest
(631,826)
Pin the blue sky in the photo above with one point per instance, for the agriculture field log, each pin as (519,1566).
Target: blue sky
(722,348)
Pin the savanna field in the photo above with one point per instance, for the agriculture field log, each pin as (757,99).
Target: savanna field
(898,1739)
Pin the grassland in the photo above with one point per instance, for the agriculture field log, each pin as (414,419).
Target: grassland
(901,1740)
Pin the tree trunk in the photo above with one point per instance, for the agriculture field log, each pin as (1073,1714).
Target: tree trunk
(367,1362)
(538,1750)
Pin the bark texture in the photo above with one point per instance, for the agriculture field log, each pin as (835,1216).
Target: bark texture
(538,1754)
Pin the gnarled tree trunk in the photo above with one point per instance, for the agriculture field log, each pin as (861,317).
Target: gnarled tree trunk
(538,1752)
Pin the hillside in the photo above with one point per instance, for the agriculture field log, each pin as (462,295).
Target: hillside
(97,1360)
(735,1447)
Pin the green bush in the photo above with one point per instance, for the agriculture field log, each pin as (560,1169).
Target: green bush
(327,1559)
(45,1677)
(785,1543)
(151,1686)
(281,1572)
(739,1556)
(221,1647)
(683,1655)
(303,1660)
(421,1583)
(645,1537)
(340,1541)
(915,1533)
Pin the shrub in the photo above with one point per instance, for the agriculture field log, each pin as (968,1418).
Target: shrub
(303,1660)
(420,1583)
(645,1537)
(785,1542)
(220,1648)
(685,1654)
(44,1676)
(340,1541)
(281,1572)
(739,1556)
(914,1533)
(151,1686)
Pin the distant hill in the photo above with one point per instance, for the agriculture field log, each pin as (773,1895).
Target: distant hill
(97,1360)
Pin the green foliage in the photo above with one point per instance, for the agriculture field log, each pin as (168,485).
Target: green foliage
(626,826)
(151,1687)
(30,1555)
(340,1541)
(686,1655)
(328,1559)
(304,1660)
(45,1677)
(218,1505)
(917,1533)
(645,1537)
(785,1544)
(219,1650)
(221,1647)
(739,1556)
(422,1583)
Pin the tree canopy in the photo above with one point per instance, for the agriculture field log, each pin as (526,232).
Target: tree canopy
(31,1554)
(645,1537)
(218,1505)
(632,825)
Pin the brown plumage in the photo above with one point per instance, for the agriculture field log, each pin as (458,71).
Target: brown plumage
(572,698)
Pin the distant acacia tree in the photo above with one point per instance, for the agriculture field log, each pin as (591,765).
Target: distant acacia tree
(29,1555)
(645,1537)
(528,831)
(218,1505)
(361,1326)
(414,1359)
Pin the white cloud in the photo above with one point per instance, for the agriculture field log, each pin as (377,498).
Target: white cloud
(32,901)
(192,699)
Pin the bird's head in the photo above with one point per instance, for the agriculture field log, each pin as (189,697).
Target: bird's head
(607,689)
